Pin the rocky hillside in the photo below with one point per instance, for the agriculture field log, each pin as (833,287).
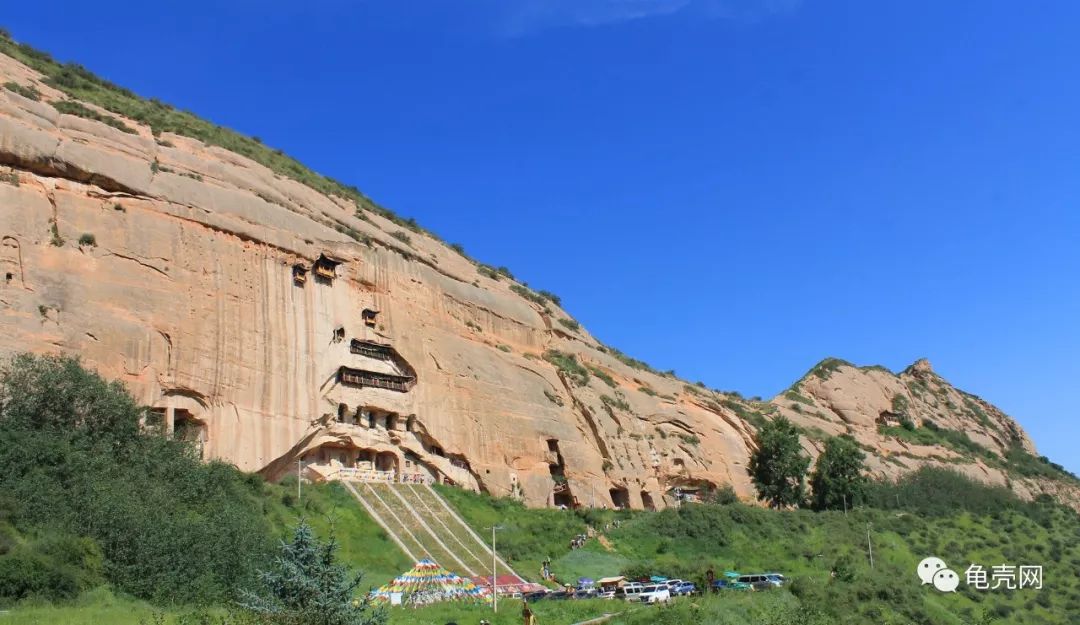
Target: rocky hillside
(274,315)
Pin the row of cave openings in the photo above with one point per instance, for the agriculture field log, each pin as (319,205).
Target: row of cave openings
(373,418)
(563,497)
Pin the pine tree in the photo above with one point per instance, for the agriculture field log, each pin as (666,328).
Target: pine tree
(305,586)
(778,467)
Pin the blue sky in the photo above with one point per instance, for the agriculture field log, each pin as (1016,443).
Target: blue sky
(734,189)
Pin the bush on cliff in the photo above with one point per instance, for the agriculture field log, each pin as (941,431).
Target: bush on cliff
(75,462)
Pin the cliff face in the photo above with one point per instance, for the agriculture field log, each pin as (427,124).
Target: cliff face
(274,323)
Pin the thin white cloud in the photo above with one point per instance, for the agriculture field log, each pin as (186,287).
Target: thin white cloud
(526,16)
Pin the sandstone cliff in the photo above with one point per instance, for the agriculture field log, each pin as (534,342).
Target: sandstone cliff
(274,322)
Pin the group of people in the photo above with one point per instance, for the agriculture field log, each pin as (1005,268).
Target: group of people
(577,542)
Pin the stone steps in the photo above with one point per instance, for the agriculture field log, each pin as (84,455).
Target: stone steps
(423,525)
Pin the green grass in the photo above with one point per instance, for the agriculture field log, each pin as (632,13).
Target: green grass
(547,612)
(528,535)
(937,513)
(329,508)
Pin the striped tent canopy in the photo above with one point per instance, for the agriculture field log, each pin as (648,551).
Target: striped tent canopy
(427,582)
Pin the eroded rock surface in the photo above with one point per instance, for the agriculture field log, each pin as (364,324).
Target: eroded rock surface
(275,324)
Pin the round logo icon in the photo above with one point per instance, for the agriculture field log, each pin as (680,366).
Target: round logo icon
(929,567)
(946,580)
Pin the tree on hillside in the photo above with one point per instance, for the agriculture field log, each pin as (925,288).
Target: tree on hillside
(838,476)
(76,466)
(306,586)
(778,467)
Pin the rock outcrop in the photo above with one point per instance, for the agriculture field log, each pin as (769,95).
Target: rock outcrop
(274,324)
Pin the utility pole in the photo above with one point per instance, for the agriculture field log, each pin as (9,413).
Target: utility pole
(869,547)
(298,472)
(494,571)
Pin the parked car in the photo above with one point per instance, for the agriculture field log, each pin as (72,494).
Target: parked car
(777,579)
(585,593)
(559,595)
(672,584)
(533,597)
(727,584)
(630,591)
(608,593)
(655,593)
(684,589)
(760,581)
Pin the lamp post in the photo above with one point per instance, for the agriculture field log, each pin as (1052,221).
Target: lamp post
(869,547)
(494,571)
(299,472)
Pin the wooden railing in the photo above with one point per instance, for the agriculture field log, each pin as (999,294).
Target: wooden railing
(367,475)
(360,377)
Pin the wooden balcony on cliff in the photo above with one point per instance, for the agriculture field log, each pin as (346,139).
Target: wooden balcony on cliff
(299,274)
(325,267)
(372,379)
(371,349)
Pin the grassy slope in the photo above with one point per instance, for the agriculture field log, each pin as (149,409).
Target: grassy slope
(808,545)
(805,545)
(330,508)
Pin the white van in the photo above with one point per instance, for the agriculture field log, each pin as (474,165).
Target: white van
(630,591)
(655,593)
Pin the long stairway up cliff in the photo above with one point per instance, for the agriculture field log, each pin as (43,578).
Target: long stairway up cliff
(423,525)
(277,316)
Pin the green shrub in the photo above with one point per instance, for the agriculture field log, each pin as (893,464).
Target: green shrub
(603,376)
(402,236)
(72,107)
(54,231)
(616,402)
(570,324)
(551,297)
(568,364)
(88,239)
(75,458)
(30,92)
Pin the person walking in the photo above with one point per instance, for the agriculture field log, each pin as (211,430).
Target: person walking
(526,614)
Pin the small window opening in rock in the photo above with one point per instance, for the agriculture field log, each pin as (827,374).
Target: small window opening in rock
(8,277)
(342,410)
(553,444)
(339,335)
(410,423)
(369,315)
